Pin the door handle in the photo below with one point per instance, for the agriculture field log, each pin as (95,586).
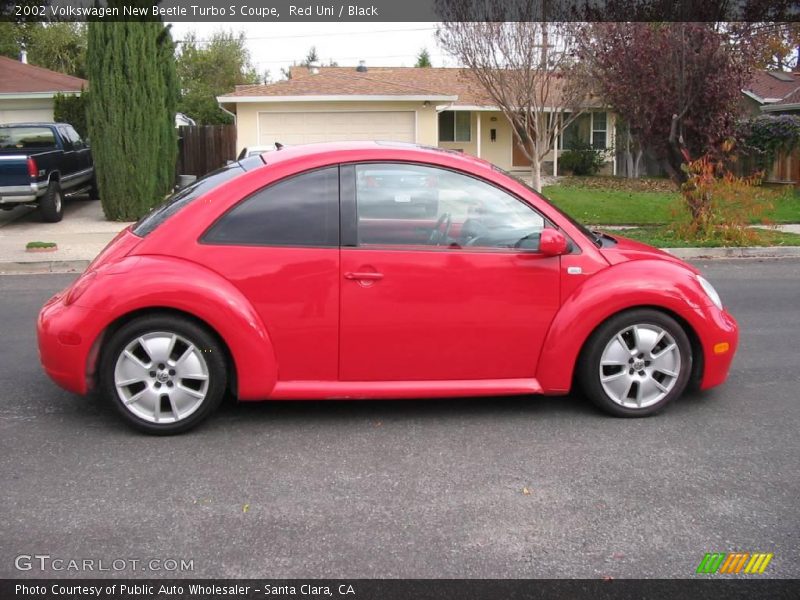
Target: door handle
(364,276)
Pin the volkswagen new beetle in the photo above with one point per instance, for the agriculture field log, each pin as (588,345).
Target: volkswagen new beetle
(268,279)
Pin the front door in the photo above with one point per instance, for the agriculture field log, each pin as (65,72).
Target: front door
(461,295)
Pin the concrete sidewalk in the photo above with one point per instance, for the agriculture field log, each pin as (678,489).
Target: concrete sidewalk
(84,232)
(80,236)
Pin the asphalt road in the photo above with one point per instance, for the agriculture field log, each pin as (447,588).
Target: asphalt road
(415,488)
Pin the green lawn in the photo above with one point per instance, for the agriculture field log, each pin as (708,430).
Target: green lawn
(662,237)
(598,206)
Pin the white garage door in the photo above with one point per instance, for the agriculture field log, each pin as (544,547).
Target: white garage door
(307,128)
(26,115)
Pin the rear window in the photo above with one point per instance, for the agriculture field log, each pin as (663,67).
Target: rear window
(184,197)
(25,138)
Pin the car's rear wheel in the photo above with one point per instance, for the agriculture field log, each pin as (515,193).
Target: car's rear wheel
(164,373)
(636,363)
(51,205)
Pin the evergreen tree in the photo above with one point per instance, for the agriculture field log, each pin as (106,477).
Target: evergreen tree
(423,58)
(131,114)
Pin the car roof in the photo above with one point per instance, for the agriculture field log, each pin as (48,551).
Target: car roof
(377,150)
(33,124)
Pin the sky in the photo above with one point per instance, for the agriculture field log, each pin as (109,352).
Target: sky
(276,45)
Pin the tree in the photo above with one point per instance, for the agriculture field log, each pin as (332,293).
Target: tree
(526,67)
(209,69)
(774,45)
(423,58)
(131,114)
(59,47)
(677,85)
(56,46)
(311,58)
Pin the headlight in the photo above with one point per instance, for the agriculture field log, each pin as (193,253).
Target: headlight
(709,289)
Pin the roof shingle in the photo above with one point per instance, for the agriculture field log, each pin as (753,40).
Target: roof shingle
(21,78)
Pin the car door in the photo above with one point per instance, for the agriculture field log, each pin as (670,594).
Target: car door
(463,295)
(68,165)
(280,247)
(83,157)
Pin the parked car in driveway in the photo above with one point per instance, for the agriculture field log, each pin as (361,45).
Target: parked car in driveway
(269,281)
(40,164)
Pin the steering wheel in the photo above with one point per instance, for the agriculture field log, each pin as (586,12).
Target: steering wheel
(437,236)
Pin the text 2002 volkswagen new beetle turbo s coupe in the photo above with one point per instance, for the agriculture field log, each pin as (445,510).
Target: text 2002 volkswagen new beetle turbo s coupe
(268,280)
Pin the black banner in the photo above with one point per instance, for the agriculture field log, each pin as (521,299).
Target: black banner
(395,11)
(408,589)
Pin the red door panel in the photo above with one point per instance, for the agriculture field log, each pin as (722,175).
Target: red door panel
(448,314)
(296,293)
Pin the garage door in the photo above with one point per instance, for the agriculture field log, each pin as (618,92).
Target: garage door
(31,115)
(307,128)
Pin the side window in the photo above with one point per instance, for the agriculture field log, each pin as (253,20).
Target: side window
(66,140)
(77,142)
(300,211)
(415,205)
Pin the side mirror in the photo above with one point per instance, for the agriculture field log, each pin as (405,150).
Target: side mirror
(552,242)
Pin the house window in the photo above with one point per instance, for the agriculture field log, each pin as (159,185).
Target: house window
(599,130)
(454,126)
(576,133)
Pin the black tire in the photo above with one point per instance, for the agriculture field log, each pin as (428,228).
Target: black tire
(51,205)
(208,348)
(589,367)
(94,191)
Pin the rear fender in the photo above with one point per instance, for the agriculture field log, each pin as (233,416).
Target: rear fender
(167,282)
(628,285)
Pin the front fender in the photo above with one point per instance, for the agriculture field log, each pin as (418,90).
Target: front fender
(168,282)
(631,284)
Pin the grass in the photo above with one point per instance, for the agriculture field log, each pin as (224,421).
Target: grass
(663,237)
(616,201)
(40,245)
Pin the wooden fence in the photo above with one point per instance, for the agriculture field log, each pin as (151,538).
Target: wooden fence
(203,148)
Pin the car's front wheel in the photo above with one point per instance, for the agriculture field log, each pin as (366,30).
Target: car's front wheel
(636,363)
(164,373)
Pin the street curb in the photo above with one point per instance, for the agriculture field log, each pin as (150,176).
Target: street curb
(78,266)
(746,252)
(44,266)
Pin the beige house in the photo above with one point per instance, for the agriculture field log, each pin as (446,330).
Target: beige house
(27,91)
(441,107)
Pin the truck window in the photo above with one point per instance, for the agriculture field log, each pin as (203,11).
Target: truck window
(26,138)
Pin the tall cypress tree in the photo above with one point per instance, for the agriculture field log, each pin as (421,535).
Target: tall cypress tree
(131,114)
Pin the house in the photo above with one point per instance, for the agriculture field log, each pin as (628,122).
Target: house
(27,91)
(774,93)
(442,107)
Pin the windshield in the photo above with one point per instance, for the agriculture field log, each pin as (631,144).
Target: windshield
(183,197)
(594,237)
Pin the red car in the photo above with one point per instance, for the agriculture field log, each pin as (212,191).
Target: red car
(265,280)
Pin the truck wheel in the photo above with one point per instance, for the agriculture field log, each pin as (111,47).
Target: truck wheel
(94,191)
(51,205)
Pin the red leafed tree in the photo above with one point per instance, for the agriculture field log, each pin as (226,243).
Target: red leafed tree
(677,85)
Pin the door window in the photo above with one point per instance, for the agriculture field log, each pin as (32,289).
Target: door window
(434,208)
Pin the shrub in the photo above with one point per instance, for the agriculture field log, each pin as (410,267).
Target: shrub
(721,205)
(581,159)
(69,108)
(766,135)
